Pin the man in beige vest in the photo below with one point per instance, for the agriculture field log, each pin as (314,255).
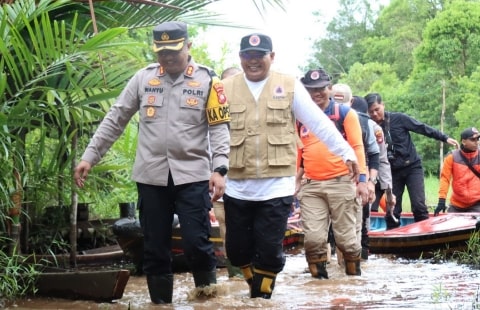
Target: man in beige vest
(264,107)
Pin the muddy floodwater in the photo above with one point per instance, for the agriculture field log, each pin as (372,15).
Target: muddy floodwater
(386,283)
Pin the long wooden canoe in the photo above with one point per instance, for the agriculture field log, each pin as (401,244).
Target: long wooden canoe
(447,232)
(97,256)
(97,285)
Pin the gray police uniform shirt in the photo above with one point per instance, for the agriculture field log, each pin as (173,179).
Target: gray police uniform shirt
(174,126)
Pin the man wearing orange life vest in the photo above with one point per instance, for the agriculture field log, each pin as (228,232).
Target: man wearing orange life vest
(329,195)
(458,168)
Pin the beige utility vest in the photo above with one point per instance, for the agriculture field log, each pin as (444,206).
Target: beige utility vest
(262,134)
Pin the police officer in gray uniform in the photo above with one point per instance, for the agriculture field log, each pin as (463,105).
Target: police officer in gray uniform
(180,104)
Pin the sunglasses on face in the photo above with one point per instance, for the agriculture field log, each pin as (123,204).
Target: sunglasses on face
(474,139)
(253,55)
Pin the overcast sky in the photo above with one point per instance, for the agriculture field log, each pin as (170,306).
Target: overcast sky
(290,31)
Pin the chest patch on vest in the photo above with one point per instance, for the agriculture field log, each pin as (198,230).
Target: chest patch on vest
(279,93)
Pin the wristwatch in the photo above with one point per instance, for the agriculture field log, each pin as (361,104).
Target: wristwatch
(373,180)
(222,170)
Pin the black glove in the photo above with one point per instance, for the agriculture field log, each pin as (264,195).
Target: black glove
(440,206)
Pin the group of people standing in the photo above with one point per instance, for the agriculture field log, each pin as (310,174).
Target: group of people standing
(265,130)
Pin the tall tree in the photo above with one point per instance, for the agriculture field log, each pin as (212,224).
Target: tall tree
(448,52)
(467,114)
(371,77)
(398,31)
(340,47)
(452,40)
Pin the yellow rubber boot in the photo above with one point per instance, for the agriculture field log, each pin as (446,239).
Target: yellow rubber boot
(262,284)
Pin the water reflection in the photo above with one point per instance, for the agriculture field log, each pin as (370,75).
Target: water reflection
(386,283)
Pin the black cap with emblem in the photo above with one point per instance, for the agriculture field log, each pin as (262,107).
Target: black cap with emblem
(316,78)
(256,42)
(169,36)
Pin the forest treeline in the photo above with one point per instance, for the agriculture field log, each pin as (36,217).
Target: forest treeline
(421,56)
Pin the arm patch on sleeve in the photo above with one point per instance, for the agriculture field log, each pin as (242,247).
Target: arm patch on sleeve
(217,106)
(379,135)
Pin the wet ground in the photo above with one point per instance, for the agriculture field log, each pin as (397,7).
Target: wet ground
(386,283)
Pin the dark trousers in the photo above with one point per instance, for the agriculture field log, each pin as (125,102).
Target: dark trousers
(411,177)
(378,195)
(255,232)
(365,215)
(157,205)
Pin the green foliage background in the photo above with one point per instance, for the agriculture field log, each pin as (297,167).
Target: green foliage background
(419,55)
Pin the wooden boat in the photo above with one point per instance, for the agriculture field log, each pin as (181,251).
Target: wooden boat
(446,233)
(97,285)
(98,256)
(130,238)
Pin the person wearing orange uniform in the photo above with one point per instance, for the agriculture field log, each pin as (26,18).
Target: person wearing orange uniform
(329,194)
(458,169)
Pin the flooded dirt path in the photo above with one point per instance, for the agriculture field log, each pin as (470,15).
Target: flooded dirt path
(386,283)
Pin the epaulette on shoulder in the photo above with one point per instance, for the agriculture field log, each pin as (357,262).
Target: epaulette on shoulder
(152,66)
(210,71)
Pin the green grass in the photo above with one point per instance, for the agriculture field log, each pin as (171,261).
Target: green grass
(17,278)
(471,256)
(431,195)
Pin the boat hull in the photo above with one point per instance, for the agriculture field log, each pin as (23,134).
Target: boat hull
(446,233)
(103,285)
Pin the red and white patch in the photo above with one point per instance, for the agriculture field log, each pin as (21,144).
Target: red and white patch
(254,40)
(315,75)
(218,87)
(339,97)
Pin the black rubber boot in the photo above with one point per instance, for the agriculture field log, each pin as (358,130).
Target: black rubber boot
(160,288)
(319,270)
(263,283)
(204,278)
